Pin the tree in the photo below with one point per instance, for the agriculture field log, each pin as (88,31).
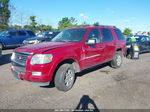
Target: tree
(44,27)
(96,24)
(33,22)
(4,12)
(66,23)
(3,27)
(127,31)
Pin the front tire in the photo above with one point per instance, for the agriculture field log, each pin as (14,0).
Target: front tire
(117,61)
(65,77)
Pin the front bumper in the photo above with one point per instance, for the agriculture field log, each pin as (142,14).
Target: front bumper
(21,73)
(20,76)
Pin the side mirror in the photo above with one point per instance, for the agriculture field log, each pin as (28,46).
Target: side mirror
(91,42)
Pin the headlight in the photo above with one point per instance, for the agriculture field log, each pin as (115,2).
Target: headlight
(37,41)
(41,59)
(24,42)
(13,56)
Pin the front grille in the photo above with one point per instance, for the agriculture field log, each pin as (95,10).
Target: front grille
(20,58)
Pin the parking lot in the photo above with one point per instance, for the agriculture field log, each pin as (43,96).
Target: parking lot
(101,87)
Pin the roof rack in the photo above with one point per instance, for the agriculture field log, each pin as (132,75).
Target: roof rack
(107,26)
(104,26)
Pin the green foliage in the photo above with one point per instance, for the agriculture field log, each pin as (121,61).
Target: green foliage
(127,31)
(33,22)
(4,12)
(96,24)
(66,23)
(84,24)
(3,27)
(44,27)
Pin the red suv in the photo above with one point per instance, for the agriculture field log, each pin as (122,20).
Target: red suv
(71,51)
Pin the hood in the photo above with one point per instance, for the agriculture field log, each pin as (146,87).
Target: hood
(43,47)
(35,38)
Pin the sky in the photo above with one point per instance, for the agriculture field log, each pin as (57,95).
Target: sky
(133,14)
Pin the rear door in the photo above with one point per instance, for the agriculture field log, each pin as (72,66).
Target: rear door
(148,39)
(110,45)
(93,53)
(148,43)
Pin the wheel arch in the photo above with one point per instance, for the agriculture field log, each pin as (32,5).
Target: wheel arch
(3,45)
(70,61)
(119,49)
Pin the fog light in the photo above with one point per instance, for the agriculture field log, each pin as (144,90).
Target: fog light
(36,73)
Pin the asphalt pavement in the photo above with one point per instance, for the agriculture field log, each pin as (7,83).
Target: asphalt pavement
(101,87)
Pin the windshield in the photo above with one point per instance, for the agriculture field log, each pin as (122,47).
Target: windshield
(4,33)
(71,35)
(47,35)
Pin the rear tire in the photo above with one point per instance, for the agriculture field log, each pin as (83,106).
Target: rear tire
(65,77)
(117,61)
(1,47)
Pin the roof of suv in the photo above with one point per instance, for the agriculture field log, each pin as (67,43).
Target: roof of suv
(101,26)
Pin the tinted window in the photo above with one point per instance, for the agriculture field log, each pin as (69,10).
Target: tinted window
(107,35)
(21,33)
(13,33)
(119,34)
(31,33)
(148,38)
(94,34)
(50,34)
(143,39)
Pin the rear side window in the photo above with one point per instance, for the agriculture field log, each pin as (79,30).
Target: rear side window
(107,35)
(21,33)
(94,34)
(31,33)
(119,34)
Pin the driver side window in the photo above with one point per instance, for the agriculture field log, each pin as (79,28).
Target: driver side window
(94,34)
(12,33)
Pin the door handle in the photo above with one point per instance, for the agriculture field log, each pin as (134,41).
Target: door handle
(102,46)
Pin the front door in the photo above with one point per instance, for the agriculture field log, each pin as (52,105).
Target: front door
(93,54)
(10,38)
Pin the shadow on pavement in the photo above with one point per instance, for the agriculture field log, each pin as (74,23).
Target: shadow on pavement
(5,59)
(84,72)
(84,104)
(80,74)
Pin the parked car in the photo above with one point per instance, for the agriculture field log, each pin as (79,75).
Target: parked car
(71,51)
(43,37)
(11,38)
(142,41)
